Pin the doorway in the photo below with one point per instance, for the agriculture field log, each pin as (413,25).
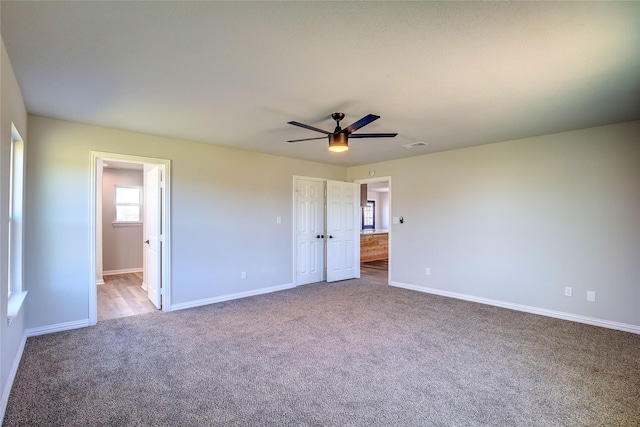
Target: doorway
(375,231)
(122,291)
(143,207)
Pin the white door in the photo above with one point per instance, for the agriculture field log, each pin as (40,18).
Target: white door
(309,231)
(152,224)
(343,230)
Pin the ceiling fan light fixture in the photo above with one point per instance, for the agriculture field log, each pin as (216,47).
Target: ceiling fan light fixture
(338,142)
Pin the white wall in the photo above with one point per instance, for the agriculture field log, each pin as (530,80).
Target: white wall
(382,208)
(224,208)
(12,111)
(121,245)
(518,221)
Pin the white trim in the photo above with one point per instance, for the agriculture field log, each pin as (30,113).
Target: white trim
(229,297)
(100,282)
(126,224)
(58,327)
(122,271)
(11,377)
(16,301)
(525,308)
(165,164)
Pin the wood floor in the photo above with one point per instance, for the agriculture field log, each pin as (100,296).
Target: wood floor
(122,296)
(375,271)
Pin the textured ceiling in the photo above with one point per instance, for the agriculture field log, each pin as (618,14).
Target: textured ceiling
(452,74)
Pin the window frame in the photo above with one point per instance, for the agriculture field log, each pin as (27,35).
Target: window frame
(371,204)
(15,224)
(140,204)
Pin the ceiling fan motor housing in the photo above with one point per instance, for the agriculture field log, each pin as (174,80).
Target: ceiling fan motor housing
(338,142)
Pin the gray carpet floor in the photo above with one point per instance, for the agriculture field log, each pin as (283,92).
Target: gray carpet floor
(344,354)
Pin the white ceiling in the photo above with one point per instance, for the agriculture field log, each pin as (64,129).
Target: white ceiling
(453,74)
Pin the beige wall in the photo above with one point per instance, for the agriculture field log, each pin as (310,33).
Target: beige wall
(224,208)
(12,111)
(121,245)
(518,221)
(514,221)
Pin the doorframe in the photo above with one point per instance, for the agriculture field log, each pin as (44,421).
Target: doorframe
(383,179)
(97,159)
(295,218)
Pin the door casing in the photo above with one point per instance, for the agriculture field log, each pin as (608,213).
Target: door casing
(97,158)
(388,180)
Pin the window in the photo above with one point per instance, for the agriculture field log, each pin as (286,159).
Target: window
(15,233)
(128,204)
(369,215)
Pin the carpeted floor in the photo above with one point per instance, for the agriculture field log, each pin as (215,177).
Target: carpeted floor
(347,353)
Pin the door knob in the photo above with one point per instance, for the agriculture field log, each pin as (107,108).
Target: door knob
(147,241)
(320,236)
(331,237)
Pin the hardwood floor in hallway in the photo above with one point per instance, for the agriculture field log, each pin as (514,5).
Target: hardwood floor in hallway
(122,296)
(375,271)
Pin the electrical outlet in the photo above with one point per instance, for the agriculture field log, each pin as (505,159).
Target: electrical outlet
(428,271)
(278,219)
(591,296)
(243,275)
(568,291)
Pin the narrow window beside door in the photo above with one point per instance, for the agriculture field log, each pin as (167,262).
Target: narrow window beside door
(369,215)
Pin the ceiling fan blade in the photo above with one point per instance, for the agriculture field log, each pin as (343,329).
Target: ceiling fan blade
(372,135)
(307,139)
(362,122)
(302,125)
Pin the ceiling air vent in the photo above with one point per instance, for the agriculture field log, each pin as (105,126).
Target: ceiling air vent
(415,144)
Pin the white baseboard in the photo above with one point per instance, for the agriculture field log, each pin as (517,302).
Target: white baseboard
(58,327)
(100,282)
(122,271)
(525,308)
(12,376)
(144,286)
(207,301)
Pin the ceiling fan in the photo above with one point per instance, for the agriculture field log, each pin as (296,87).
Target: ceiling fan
(339,138)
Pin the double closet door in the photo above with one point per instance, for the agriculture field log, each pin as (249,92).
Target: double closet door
(327,231)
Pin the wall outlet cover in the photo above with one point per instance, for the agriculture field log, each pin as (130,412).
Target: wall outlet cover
(568,291)
(591,296)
